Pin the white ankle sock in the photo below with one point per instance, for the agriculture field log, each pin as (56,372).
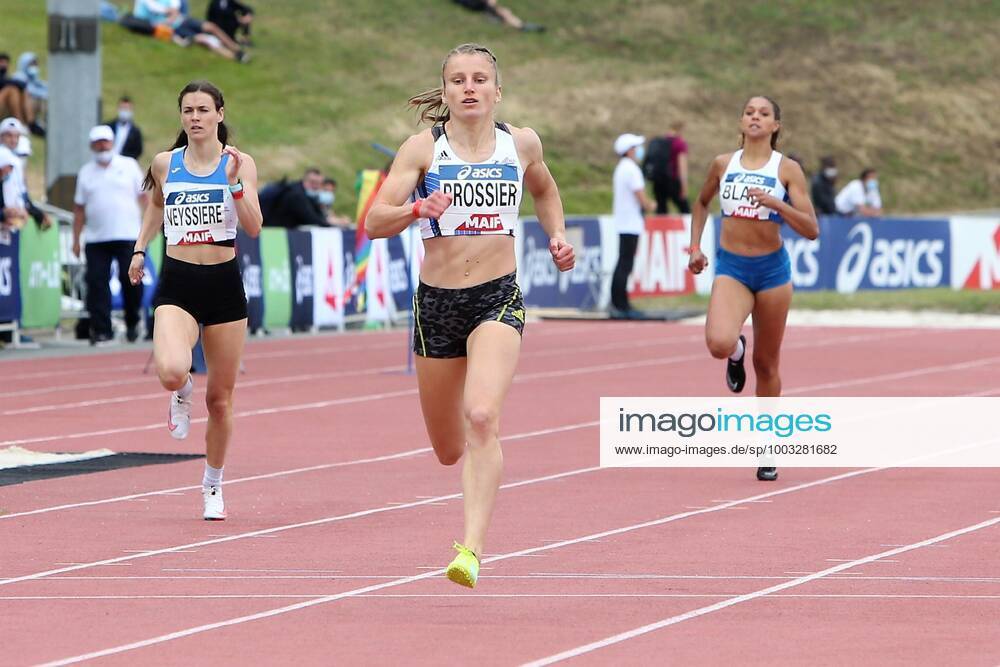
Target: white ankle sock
(187,389)
(738,354)
(213,476)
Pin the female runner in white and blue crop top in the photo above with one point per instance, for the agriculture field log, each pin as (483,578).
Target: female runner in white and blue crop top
(760,190)
(468,172)
(202,188)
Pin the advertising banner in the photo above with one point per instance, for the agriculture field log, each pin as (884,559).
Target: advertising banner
(277,277)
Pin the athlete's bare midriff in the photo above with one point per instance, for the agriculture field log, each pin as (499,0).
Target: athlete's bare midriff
(750,238)
(463,261)
(202,253)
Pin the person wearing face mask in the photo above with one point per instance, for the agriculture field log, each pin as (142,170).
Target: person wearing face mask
(861,196)
(12,131)
(12,214)
(824,185)
(326,198)
(629,202)
(108,204)
(295,204)
(128,136)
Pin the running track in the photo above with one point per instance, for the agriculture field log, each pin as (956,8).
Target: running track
(340,518)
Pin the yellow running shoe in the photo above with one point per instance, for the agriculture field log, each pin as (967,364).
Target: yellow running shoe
(464,570)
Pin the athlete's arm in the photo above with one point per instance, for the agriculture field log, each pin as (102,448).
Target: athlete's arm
(548,205)
(391,211)
(152,218)
(699,212)
(800,215)
(242,168)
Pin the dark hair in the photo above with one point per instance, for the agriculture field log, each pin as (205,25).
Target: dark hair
(827,161)
(330,181)
(182,138)
(866,172)
(777,116)
(429,104)
(125,98)
(5,56)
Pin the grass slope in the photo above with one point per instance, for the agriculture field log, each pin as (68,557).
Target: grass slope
(907,86)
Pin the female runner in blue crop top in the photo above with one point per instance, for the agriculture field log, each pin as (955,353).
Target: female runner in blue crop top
(759,190)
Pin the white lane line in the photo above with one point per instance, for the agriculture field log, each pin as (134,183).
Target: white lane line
(324,575)
(739,599)
(375,596)
(656,361)
(295,471)
(433,573)
(280,529)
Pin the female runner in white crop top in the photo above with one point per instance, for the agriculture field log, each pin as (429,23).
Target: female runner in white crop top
(468,308)
(201,188)
(760,191)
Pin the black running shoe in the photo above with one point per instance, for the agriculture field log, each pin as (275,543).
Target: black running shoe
(736,374)
(767,474)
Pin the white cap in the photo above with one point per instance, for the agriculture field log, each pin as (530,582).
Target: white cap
(101,133)
(627,142)
(11,124)
(23,148)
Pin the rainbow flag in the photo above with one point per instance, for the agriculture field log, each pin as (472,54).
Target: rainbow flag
(370,181)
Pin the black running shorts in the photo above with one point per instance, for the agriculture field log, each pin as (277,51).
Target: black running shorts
(210,293)
(446,317)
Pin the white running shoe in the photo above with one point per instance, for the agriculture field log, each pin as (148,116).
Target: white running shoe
(215,509)
(179,416)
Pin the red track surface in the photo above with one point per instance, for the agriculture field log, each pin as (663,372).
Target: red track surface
(340,518)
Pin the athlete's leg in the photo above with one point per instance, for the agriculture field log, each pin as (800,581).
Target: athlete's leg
(175,334)
(223,348)
(441,383)
(769,315)
(728,308)
(493,351)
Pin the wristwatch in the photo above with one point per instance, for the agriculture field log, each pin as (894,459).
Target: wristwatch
(236,187)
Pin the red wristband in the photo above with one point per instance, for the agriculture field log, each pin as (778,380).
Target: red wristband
(238,194)
(694,248)
(416,208)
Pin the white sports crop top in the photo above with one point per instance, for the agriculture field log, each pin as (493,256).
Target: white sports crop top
(197,209)
(487,195)
(737,181)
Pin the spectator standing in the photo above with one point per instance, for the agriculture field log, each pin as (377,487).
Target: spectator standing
(861,196)
(12,214)
(629,203)
(128,136)
(108,203)
(666,165)
(11,134)
(824,186)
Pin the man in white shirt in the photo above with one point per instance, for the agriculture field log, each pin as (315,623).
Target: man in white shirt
(629,202)
(109,201)
(861,196)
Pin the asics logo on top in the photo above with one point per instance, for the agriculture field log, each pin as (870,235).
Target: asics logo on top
(751,179)
(206,197)
(479,173)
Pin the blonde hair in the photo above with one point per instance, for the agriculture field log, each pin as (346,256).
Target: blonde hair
(429,104)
